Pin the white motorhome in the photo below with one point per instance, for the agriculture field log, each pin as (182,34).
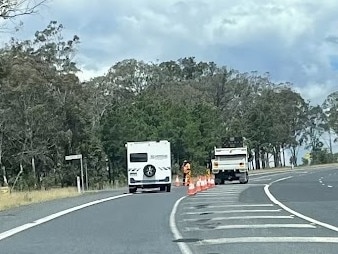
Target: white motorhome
(149,165)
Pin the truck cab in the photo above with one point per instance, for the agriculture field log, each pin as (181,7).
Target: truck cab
(230,162)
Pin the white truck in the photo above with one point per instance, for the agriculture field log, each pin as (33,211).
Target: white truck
(230,162)
(149,165)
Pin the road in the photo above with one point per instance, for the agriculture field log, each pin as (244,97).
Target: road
(297,213)
(289,212)
(135,223)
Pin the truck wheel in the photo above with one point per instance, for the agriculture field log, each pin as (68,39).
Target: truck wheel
(162,188)
(217,181)
(132,189)
(168,188)
(245,179)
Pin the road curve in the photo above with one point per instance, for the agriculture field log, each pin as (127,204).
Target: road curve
(277,212)
(138,223)
(236,218)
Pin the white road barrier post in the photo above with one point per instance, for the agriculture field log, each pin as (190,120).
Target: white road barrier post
(78,184)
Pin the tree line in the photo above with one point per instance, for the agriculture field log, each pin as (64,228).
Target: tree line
(47,113)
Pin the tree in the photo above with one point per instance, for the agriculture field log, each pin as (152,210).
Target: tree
(330,107)
(316,125)
(34,91)
(10,9)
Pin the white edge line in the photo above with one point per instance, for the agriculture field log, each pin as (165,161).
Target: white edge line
(254,226)
(270,240)
(177,235)
(274,200)
(245,218)
(21,228)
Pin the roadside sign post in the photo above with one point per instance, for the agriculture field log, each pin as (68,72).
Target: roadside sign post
(87,182)
(77,157)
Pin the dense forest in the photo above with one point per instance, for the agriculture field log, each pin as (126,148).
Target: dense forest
(47,113)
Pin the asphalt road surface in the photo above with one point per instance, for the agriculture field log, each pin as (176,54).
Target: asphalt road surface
(296,213)
(290,212)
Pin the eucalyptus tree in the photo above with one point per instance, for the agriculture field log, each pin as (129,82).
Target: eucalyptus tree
(40,78)
(10,9)
(330,107)
(316,126)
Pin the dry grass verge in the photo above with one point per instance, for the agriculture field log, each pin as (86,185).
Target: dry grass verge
(15,199)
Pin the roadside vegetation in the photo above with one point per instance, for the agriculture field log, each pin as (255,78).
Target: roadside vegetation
(16,199)
(47,113)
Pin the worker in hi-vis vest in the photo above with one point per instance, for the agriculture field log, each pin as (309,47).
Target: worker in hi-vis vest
(186,168)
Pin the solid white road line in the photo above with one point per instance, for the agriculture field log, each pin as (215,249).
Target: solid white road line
(214,197)
(221,192)
(253,226)
(274,200)
(224,202)
(228,206)
(265,226)
(173,227)
(204,194)
(269,240)
(21,228)
(257,180)
(261,177)
(235,211)
(244,218)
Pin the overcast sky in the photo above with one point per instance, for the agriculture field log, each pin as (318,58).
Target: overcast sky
(293,40)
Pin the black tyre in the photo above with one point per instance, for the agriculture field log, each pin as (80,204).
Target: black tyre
(149,171)
(217,181)
(245,180)
(132,189)
(162,188)
(168,188)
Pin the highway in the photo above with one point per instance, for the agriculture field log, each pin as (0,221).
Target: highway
(295,213)
(286,212)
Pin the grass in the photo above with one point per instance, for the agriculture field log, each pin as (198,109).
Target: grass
(16,199)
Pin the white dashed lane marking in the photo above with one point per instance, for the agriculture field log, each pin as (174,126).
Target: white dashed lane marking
(220,210)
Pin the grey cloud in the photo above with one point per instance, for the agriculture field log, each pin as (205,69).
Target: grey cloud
(283,38)
(332,39)
(229,21)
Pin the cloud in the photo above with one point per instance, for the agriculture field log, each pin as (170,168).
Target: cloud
(316,93)
(294,40)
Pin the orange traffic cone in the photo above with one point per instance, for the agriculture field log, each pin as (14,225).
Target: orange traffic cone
(212,182)
(203,184)
(177,181)
(198,185)
(208,182)
(191,189)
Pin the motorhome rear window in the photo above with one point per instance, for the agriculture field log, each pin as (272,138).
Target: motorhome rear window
(138,157)
(231,157)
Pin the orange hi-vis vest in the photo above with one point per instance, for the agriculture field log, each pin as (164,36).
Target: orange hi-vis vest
(186,168)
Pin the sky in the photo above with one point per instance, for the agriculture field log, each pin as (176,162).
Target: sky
(294,41)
